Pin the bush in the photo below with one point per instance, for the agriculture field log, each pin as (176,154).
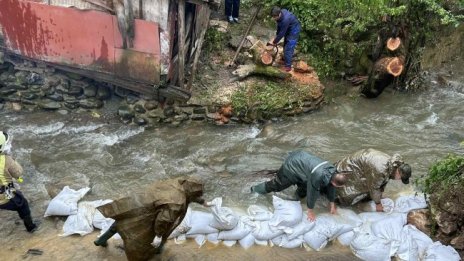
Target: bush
(444,174)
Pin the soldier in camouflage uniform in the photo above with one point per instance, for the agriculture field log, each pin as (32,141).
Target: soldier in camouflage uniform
(311,174)
(371,170)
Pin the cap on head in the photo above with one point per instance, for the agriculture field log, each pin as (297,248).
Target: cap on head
(405,170)
(3,141)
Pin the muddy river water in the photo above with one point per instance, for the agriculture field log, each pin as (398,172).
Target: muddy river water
(110,158)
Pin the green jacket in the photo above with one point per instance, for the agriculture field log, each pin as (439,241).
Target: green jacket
(371,171)
(302,168)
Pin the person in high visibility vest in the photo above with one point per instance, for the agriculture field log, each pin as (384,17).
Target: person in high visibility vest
(10,197)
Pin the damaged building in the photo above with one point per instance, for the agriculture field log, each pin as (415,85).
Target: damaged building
(132,44)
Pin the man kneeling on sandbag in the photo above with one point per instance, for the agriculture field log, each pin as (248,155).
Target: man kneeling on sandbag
(146,218)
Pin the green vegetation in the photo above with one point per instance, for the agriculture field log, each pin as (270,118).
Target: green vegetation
(262,101)
(443,175)
(215,40)
(336,33)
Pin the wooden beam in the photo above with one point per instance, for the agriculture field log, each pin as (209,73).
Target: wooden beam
(99,3)
(181,40)
(204,26)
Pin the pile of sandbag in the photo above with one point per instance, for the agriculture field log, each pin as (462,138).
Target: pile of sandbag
(83,217)
(370,235)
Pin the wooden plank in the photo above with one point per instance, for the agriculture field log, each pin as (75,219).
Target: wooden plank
(181,41)
(204,25)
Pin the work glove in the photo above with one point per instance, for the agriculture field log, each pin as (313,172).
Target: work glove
(156,241)
(270,44)
(20,180)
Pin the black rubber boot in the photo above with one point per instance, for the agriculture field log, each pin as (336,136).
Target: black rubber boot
(29,224)
(260,189)
(102,241)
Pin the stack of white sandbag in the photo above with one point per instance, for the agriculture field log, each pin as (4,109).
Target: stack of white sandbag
(370,235)
(83,217)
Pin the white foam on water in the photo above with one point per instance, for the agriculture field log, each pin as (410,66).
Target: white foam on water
(432,119)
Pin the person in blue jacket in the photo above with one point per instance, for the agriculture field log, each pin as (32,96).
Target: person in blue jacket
(312,176)
(288,27)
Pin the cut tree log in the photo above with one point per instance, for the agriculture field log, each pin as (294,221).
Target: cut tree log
(263,54)
(390,65)
(393,43)
(246,70)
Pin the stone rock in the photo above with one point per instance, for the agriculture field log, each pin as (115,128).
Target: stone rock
(157,114)
(53,80)
(90,103)
(131,99)
(421,220)
(75,90)
(199,110)
(169,111)
(7,91)
(21,77)
(90,91)
(220,25)
(151,105)
(49,105)
(80,84)
(28,102)
(35,79)
(139,108)
(103,92)
(197,117)
(16,106)
(73,76)
(125,112)
(63,112)
(29,96)
(458,242)
(55,97)
(17,87)
(71,105)
(302,67)
(48,90)
(140,121)
(63,89)
(15,97)
(181,117)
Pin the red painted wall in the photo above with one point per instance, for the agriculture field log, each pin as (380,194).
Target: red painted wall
(84,39)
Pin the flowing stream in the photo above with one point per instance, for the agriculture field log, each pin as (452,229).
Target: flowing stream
(110,157)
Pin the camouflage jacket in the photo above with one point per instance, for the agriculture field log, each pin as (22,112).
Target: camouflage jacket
(371,170)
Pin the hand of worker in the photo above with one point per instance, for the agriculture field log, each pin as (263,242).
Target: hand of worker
(332,208)
(156,241)
(270,43)
(311,216)
(378,207)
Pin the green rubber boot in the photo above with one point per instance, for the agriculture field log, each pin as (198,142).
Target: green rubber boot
(102,241)
(260,189)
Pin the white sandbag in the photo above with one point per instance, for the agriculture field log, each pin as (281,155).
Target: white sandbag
(265,232)
(229,243)
(387,203)
(199,223)
(300,229)
(247,242)
(331,226)
(315,240)
(404,204)
(224,218)
(200,240)
(184,225)
(180,239)
(287,213)
(258,213)
(349,217)
(284,242)
(372,216)
(369,247)
(239,232)
(439,252)
(391,229)
(261,242)
(65,203)
(213,238)
(99,221)
(408,249)
(80,223)
(422,240)
(346,238)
